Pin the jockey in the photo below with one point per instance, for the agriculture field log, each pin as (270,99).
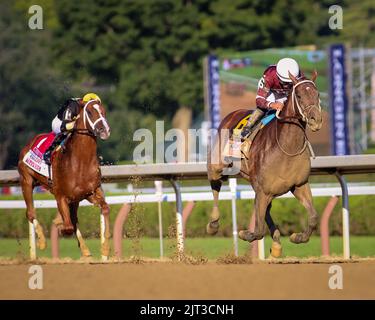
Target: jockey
(64,121)
(273,90)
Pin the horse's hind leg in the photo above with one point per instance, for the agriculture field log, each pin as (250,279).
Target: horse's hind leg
(276,249)
(98,199)
(303,194)
(81,243)
(27,191)
(213,226)
(262,202)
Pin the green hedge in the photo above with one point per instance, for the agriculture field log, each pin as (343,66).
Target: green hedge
(288,214)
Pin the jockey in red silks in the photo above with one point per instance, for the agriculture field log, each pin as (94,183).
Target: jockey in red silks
(273,90)
(64,121)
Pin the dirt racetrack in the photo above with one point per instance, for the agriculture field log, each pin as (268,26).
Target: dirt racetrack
(168,280)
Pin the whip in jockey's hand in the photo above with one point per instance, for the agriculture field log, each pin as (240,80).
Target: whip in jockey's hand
(64,121)
(273,90)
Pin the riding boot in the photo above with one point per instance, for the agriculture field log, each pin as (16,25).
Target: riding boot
(47,155)
(251,122)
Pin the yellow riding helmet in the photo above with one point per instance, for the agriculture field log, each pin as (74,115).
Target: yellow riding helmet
(91,96)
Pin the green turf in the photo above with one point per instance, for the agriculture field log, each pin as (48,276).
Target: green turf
(362,246)
(263,58)
(257,71)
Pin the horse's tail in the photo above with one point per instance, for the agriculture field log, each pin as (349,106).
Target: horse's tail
(215,164)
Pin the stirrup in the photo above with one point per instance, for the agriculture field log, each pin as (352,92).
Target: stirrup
(233,146)
(47,159)
(246,132)
(50,182)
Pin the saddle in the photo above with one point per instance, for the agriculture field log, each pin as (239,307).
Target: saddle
(238,148)
(34,157)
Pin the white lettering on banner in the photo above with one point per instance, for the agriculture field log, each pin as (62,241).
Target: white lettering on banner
(338,102)
(215,92)
(36,163)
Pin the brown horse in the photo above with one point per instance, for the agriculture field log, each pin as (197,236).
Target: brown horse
(277,162)
(76,176)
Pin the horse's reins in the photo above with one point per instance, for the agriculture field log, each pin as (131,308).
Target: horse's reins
(86,132)
(302,117)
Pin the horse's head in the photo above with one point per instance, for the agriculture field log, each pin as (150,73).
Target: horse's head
(306,102)
(94,119)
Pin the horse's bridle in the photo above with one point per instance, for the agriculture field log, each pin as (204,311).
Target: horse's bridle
(86,118)
(302,116)
(93,124)
(295,102)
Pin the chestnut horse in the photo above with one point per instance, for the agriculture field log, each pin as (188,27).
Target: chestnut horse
(76,176)
(277,162)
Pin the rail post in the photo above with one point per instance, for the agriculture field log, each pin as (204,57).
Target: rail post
(254,244)
(186,214)
(324,224)
(102,234)
(179,221)
(32,247)
(54,241)
(233,189)
(345,215)
(261,250)
(159,195)
(119,227)
(257,246)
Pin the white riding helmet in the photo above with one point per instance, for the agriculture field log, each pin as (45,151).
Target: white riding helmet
(283,66)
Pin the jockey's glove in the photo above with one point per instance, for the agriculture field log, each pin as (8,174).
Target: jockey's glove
(70,125)
(277,105)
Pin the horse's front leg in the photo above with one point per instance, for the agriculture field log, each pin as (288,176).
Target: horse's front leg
(27,190)
(276,249)
(262,201)
(97,198)
(303,194)
(63,207)
(213,226)
(85,252)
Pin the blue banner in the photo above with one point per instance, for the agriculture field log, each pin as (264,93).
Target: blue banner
(338,100)
(214,90)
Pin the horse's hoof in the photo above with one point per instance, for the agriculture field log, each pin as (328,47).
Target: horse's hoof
(85,253)
(246,235)
(276,236)
(41,241)
(68,231)
(298,238)
(293,238)
(105,249)
(276,250)
(249,236)
(212,227)
(41,244)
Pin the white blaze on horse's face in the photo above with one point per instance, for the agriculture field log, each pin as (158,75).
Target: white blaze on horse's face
(306,103)
(94,116)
